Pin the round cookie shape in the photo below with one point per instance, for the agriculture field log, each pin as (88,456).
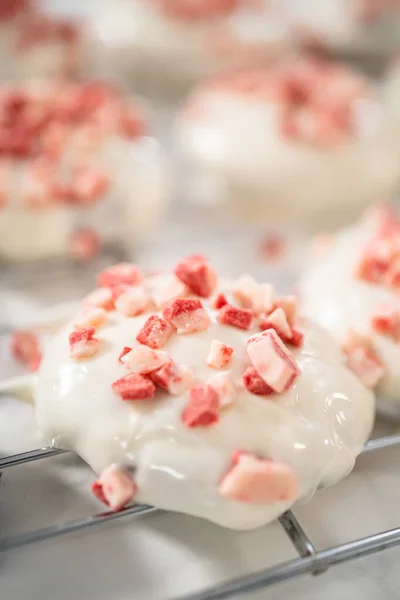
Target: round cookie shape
(216,399)
(264,135)
(77,169)
(168,44)
(352,290)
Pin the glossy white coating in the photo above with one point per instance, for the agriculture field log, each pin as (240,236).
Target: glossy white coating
(333,297)
(232,146)
(317,428)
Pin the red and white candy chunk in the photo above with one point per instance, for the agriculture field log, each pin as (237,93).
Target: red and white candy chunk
(115,488)
(272,360)
(362,359)
(83,344)
(220,355)
(187,316)
(258,480)
(175,379)
(143,359)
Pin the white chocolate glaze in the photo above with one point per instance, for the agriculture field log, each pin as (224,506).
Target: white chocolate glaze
(135,38)
(232,144)
(334,298)
(318,427)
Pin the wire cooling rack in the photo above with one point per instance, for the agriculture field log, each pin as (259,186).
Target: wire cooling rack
(310,561)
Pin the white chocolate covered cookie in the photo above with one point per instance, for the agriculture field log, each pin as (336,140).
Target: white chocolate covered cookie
(216,400)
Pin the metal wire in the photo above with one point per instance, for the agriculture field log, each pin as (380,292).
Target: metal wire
(310,561)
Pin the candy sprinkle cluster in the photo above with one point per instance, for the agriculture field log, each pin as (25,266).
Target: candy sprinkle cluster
(176,306)
(54,131)
(316,99)
(379,265)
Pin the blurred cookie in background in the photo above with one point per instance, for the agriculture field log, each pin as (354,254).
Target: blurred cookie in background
(304,137)
(78,170)
(164,45)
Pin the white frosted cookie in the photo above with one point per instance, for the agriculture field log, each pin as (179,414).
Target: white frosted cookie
(216,400)
(175,42)
(34,44)
(301,138)
(353,291)
(77,170)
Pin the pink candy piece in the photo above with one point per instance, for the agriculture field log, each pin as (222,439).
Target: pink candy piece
(258,480)
(219,301)
(225,389)
(272,360)
(199,277)
(155,333)
(187,316)
(277,320)
(176,379)
(83,344)
(386,321)
(143,359)
(362,359)
(90,184)
(255,384)
(237,317)
(202,409)
(132,302)
(25,347)
(168,288)
(115,488)
(252,295)
(92,316)
(220,355)
(134,386)
(120,274)
(101,298)
(84,245)
(289,306)
(125,351)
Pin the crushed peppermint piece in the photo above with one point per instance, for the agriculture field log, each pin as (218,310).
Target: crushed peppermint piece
(187,315)
(289,305)
(143,359)
(115,488)
(83,344)
(84,245)
(155,333)
(125,351)
(224,387)
(255,384)
(134,386)
(92,316)
(273,360)
(362,359)
(166,289)
(237,317)
(196,273)
(219,301)
(101,297)
(277,320)
(132,301)
(174,378)
(258,480)
(220,355)
(386,321)
(120,274)
(25,347)
(252,295)
(202,409)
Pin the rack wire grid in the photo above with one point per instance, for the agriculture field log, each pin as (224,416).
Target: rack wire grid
(310,561)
